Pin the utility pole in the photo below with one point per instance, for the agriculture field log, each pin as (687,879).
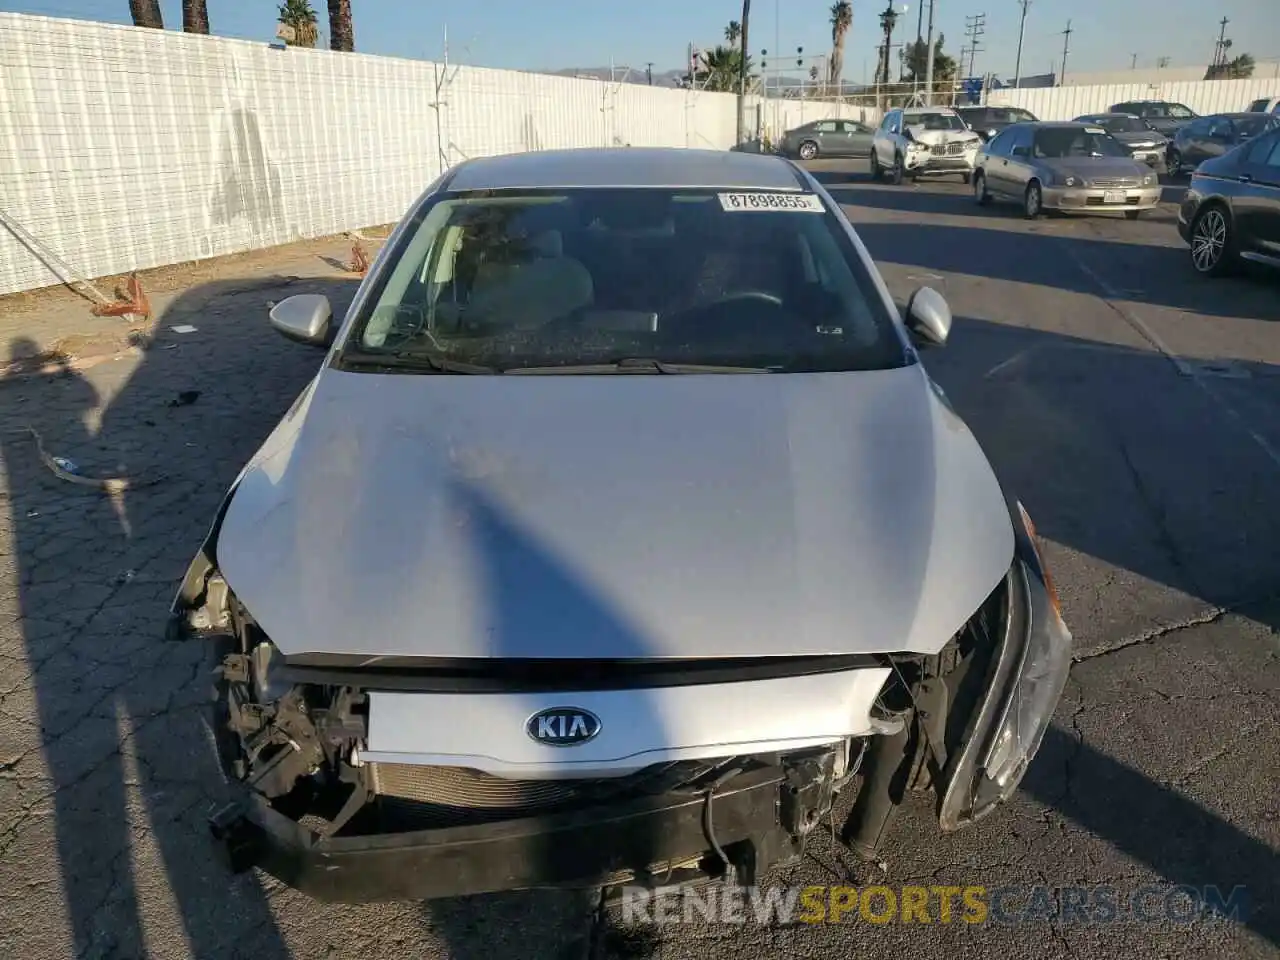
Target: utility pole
(648,72)
(1219,51)
(974,28)
(928,70)
(742,71)
(1133,61)
(1022,32)
(1066,48)
(915,74)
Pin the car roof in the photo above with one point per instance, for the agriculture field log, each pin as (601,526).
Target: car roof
(1234,115)
(625,167)
(943,110)
(1106,115)
(1050,124)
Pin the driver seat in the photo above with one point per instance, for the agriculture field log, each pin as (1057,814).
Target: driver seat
(530,291)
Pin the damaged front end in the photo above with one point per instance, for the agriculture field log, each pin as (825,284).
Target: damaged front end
(323,812)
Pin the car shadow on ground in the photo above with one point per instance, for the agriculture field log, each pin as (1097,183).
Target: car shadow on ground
(120,711)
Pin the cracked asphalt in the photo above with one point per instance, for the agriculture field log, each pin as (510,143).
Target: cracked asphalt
(1130,405)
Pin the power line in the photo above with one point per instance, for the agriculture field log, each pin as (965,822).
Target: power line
(1066,49)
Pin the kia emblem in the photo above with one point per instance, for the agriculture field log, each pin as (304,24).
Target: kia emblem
(563,726)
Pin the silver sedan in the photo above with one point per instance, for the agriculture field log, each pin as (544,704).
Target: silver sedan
(1069,167)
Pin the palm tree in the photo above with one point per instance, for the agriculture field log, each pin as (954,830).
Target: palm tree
(733,32)
(146,13)
(299,15)
(342,35)
(724,69)
(841,21)
(195,16)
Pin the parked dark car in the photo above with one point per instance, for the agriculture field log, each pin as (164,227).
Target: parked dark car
(986,122)
(1209,137)
(1231,211)
(1147,144)
(1161,114)
(828,138)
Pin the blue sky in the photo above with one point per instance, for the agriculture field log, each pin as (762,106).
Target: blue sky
(550,34)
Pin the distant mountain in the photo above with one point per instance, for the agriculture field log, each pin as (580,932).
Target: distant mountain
(665,78)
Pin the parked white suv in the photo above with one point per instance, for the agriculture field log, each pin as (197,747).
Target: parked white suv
(922,141)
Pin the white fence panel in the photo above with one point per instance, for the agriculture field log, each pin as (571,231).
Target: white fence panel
(123,149)
(1202,96)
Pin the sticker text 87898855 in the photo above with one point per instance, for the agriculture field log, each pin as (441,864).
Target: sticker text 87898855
(775,202)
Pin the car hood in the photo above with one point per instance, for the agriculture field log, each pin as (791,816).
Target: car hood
(1089,167)
(616,516)
(931,137)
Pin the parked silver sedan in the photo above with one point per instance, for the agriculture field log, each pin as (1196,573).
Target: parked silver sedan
(1070,167)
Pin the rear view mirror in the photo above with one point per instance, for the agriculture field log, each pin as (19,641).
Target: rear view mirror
(928,317)
(306,318)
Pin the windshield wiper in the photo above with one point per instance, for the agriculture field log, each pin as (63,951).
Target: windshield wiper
(407,360)
(635,365)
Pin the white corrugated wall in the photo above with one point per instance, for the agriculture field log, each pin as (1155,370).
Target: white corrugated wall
(123,149)
(1202,96)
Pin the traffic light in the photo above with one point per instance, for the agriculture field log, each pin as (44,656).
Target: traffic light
(799,56)
(763,62)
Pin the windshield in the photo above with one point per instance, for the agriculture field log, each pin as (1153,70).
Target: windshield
(1114,124)
(934,121)
(1057,142)
(593,276)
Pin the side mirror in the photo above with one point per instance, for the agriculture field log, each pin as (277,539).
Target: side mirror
(928,317)
(306,318)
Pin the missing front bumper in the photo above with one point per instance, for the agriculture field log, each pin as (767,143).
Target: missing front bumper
(636,842)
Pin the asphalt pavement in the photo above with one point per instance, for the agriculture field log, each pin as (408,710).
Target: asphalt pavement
(1131,405)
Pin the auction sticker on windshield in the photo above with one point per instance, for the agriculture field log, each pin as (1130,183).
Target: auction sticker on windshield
(744,202)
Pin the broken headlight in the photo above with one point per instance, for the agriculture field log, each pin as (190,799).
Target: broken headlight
(1027,676)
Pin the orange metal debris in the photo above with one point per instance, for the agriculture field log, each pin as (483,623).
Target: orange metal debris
(134,302)
(359,259)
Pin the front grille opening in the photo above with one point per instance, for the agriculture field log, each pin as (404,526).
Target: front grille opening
(417,797)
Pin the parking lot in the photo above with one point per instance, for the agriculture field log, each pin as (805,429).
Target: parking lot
(1133,406)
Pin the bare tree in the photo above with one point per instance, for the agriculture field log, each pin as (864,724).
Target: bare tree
(195,16)
(146,13)
(342,35)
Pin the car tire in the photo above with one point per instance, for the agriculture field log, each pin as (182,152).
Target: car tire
(895,175)
(1212,244)
(1033,201)
(966,177)
(808,150)
(980,195)
(1174,163)
(1132,214)
(876,172)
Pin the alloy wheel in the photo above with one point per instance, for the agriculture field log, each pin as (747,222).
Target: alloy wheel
(808,151)
(1209,241)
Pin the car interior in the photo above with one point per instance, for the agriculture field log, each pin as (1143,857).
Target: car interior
(617,269)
